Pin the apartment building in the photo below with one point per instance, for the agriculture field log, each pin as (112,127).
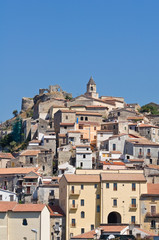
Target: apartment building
(101,197)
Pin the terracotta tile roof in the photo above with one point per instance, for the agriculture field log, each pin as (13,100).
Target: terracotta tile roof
(55,211)
(77,106)
(15,207)
(6,155)
(107,228)
(19,170)
(153,188)
(73,131)
(28,207)
(123,177)
(113,163)
(7,206)
(136,160)
(67,111)
(89,123)
(96,106)
(67,124)
(61,135)
(153,166)
(135,118)
(82,178)
(31,177)
(115,152)
(82,146)
(147,126)
(88,113)
(30,152)
(142,141)
(147,232)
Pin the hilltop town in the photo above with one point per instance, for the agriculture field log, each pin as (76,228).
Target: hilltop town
(79,168)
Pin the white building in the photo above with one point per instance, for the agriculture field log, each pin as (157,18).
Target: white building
(83,157)
(7,196)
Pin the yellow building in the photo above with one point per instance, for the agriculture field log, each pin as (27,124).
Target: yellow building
(79,198)
(89,200)
(150,208)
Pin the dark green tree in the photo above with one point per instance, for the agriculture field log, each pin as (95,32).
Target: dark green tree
(15,113)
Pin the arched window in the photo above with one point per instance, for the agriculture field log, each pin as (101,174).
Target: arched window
(24,222)
(91,88)
(82,215)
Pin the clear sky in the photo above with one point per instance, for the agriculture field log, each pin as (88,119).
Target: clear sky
(50,42)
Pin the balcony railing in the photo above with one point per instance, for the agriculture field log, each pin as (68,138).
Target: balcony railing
(140,155)
(73,225)
(29,183)
(73,206)
(152,215)
(133,207)
(74,192)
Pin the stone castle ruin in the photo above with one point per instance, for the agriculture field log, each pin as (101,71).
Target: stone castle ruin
(54,89)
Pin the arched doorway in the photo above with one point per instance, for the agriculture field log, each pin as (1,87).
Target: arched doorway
(114,217)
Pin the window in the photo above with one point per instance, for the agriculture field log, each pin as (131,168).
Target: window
(0,197)
(133,186)
(153,224)
(66,117)
(82,202)
(43,168)
(84,155)
(107,185)
(82,230)
(65,127)
(81,164)
(81,118)
(114,202)
(115,186)
(73,222)
(82,187)
(133,219)
(11,198)
(98,196)
(24,222)
(45,159)
(150,161)
(95,185)
(94,128)
(31,160)
(153,210)
(86,118)
(98,208)
(133,202)
(47,140)
(91,88)
(73,203)
(92,226)
(113,126)
(114,147)
(80,126)
(82,214)
(72,189)
(148,151)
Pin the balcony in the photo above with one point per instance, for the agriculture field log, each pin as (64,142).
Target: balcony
(152,215)
(141,155)
(73,225)
(74,192)
(148,155)
(29,183)
(132,207)
(73,206)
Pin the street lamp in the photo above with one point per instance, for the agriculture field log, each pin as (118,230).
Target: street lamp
(35,231)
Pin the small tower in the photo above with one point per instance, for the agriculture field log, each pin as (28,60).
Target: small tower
(91,89)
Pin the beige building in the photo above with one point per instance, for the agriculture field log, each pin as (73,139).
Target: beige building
(150,208)
(94,197)
(24,221)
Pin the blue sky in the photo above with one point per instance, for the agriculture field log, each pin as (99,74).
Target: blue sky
(50,42)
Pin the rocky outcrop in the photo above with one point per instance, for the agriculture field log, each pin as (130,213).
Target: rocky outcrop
(26,104)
